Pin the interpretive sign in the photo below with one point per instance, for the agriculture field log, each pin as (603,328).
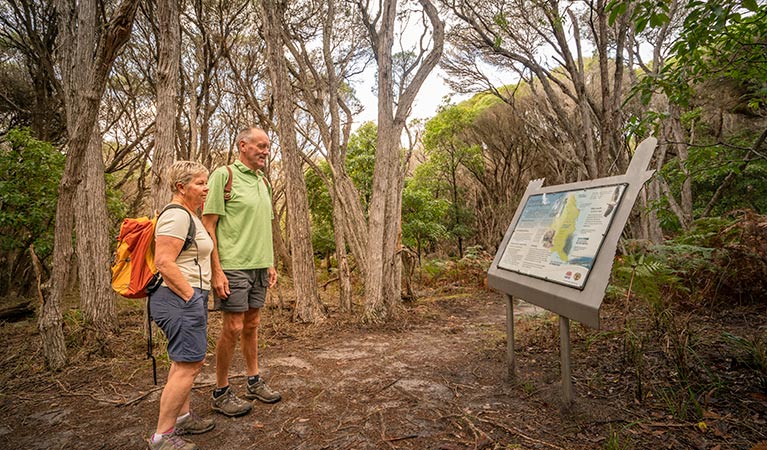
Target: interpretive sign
(558,235)
(559,248)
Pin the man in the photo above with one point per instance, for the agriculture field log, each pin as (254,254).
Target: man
(242,266)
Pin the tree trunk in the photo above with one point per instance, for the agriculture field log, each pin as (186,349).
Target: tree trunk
(308,307)
(384,271)
(680,143)
(169,45)
(663,146)
(280,248)
(344,275)
(351,212)
(84,65)
(92,229)
(651,229)
(386,158)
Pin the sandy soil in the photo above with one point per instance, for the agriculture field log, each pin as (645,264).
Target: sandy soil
(434,379)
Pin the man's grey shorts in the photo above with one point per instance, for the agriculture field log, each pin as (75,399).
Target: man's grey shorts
(185,324)
(247,290)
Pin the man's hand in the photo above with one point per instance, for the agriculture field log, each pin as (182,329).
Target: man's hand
(220,284)
(272,276)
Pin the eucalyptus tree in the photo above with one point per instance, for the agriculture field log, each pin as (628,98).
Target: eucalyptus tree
(308,306)
(28,86)
(543,41)
(91,34)
(169,54)
(208,30)
(384,270)
(326,41)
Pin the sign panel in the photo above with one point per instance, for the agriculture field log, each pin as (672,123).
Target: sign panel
(559,234)
(558,250)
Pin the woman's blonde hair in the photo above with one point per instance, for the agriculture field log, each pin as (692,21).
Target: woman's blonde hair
(183,172)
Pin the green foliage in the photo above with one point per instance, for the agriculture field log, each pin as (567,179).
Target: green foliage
(718,44)
(320,210)
(471,270)
(645,274)
(360,160)
(704,234)
(719,259)
(718,39)
(422,216)
(432,269)
(708,167)
(30,171)
(360,163)
(728,263)
(449,156)
(751,352)
(445,128)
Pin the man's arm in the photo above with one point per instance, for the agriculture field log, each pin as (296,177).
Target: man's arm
(218,281)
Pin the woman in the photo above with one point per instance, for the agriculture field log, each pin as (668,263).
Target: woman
(180,305)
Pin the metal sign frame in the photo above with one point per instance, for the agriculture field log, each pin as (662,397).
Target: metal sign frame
(581,305)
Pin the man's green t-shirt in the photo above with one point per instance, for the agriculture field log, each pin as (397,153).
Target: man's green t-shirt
(244,229)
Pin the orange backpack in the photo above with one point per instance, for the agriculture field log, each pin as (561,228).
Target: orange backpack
(134,274)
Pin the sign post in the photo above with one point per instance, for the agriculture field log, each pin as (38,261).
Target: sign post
(558,250)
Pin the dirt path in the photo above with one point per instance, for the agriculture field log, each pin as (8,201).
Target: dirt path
(435,380)
(405,386)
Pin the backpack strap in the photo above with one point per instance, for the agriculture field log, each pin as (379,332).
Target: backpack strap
(149,344)
(190,232)
(228,185)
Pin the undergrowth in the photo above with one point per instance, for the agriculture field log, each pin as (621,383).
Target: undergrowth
(662,288)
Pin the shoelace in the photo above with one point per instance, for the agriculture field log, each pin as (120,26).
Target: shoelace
(176,441)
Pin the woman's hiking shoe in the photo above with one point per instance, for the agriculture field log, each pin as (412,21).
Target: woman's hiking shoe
(171,442)
(193,424)
(230,405)
(260,391)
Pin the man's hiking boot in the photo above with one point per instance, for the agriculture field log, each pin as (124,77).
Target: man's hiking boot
(171,442)
(230,405)
(193,424)
(260,391)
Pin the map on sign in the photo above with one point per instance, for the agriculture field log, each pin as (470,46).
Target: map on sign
(558,234)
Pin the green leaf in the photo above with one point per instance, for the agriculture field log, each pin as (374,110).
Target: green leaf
(641,24)
(750,5)
(501,20)
(658,20)
(616,9)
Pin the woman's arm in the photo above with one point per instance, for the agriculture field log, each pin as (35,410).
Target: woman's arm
(167,249)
